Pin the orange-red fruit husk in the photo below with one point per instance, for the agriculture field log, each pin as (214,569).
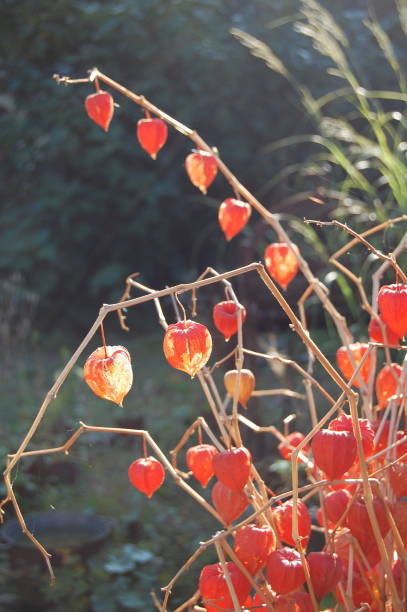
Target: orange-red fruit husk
(284,570)
(398,479)
(293,439)
(358,521)
(281,262)
(147,475)
(233,216)
(100,108)
(152,135)
(383,440)
(343,541)
(109,377)
(229,504)
(201,168)
(398,572)
(232,467)
(344,423)
(294,602)
(214,589)
(187,346)
(361,593)
(376,334)
(334,451)
(325,570)
(283,518)
(225,318)
(253,545)
(199,461)
(399,512)
(401,449)
(387,382)
(335,504)
(247,383)
(392,302)
(358,349)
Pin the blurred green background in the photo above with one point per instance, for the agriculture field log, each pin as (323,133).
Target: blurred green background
(81,209)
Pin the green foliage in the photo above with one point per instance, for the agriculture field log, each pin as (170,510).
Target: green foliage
(82,209)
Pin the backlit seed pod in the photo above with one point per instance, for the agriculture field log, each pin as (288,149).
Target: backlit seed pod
(199,461)
(401,449)
(358,521)
(335,504)
(344,423)
(284,570)
(201,168)
(398,570)
(325,570)
(100,108)
(281,262)
(283,518)
(232,467)
(358,349)
(387,382)
(229,504)
(152,135)
(334,451)
(253,545)
(147,475)
(225,317)
(376,334)
(233,216)
(109,377)
(293,602)
(398,479)
(364,591)
(383,440)
(399,512)
(214,589)
(247,383)
(392,302)
(187,346)
(293,439)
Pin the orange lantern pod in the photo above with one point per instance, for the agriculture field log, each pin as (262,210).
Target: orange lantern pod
(387,383)
(285,572)
(281,262)
(214,588)
(108,372)
(100,108)
(334,451)
(325,571)
(187,346)
(152,135)
(253,545)
(147,475)
(358,349)
(232,467)
(344,423)
(228,503)
(358,521)
(201,168)
(293,439)
(283,517)
(225,316)
(199,461)
(376,334)
(398,479)
(247,383)
(233,216)
(293,602)
(392,302)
